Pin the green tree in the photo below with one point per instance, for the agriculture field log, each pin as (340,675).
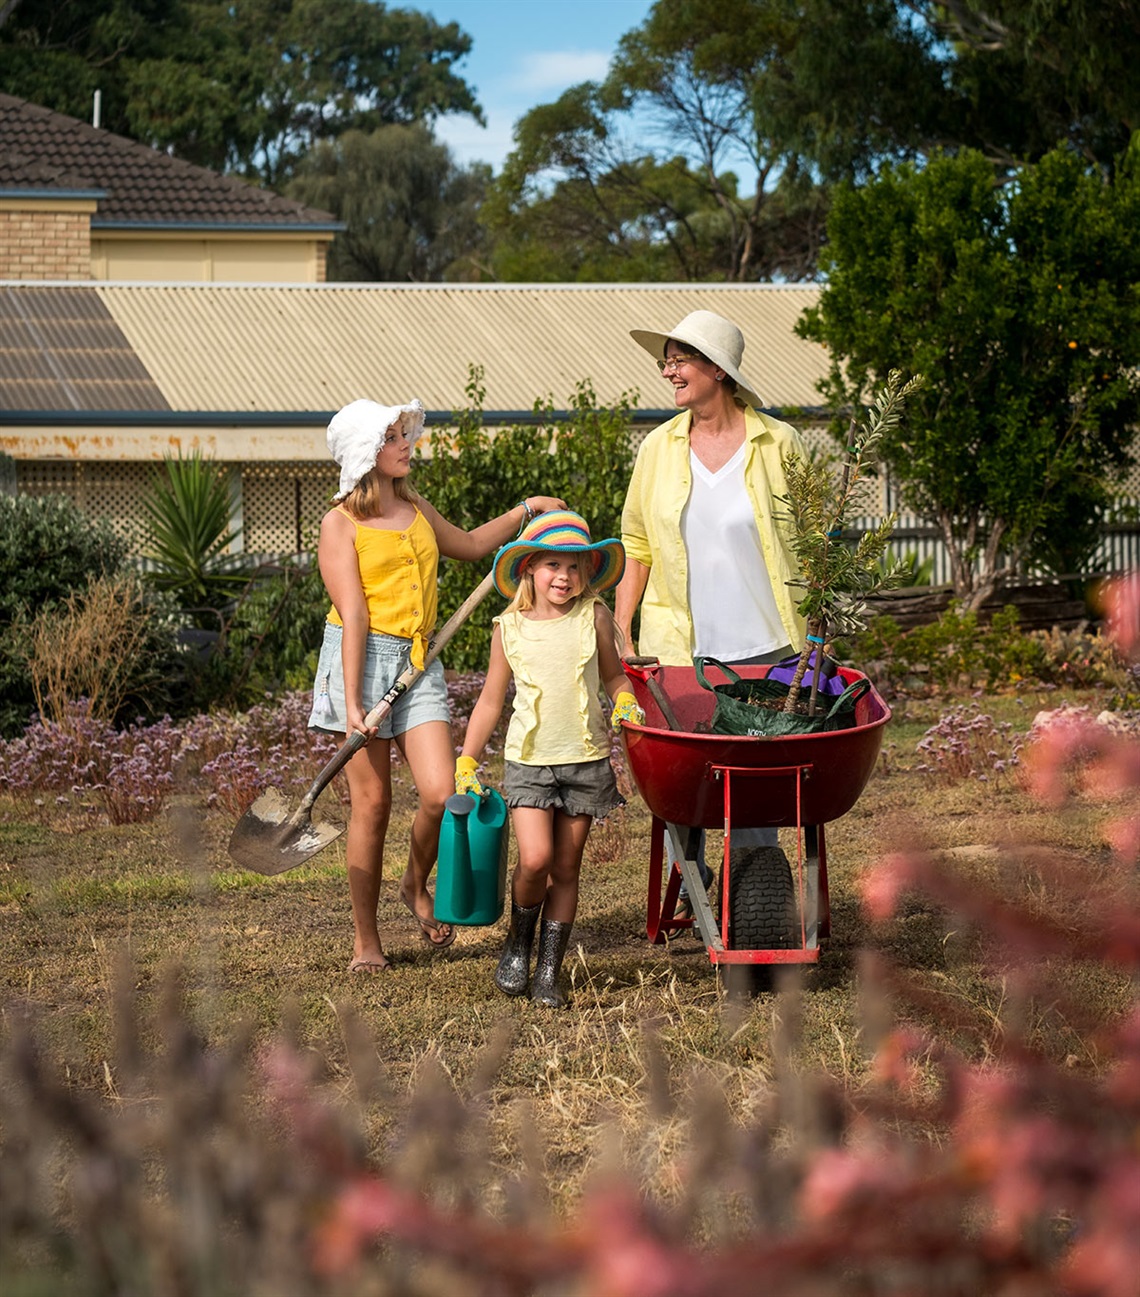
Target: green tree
(238,85)
(577,192)
(411,212)
(1027,74)
(1019,304)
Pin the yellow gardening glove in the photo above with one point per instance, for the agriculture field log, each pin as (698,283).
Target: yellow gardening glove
(466,780)
(626,709)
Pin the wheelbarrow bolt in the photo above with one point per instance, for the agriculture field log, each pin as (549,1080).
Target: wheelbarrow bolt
(553,938)
(513,972)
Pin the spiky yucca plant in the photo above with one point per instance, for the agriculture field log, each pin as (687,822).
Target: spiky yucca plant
(836,578)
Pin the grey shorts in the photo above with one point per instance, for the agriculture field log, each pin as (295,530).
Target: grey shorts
(385,656)
(580,788)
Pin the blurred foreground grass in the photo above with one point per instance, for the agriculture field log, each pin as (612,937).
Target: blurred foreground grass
(142,974)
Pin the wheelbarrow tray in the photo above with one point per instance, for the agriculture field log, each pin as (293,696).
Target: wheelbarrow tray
(676,772)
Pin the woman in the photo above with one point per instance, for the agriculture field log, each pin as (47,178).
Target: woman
(707,556)
(378,553)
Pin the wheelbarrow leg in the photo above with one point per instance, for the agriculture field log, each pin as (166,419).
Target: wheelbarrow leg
(811,888)
(695,886)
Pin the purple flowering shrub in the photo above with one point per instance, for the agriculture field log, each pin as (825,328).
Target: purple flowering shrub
(128,775)
(966,743)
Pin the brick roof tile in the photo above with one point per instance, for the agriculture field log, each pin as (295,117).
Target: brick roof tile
(41,149)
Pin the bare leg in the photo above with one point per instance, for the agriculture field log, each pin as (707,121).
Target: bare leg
(370,789)
(550,847)
(534,835)
(427,749)
(570,834)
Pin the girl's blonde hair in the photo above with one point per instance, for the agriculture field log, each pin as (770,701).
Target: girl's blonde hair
(523,599)
(363,501)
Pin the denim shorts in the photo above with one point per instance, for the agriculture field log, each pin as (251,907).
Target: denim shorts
(580,788)
(385,656)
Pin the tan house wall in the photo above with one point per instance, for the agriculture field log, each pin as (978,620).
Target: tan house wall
(45,240)
(260,258)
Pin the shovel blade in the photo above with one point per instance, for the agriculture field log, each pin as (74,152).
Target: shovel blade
(269,838)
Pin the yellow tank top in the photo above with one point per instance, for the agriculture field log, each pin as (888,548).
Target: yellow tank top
(557,717)
(398,570)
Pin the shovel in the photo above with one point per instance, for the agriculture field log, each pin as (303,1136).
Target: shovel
(646,670)
(268,838)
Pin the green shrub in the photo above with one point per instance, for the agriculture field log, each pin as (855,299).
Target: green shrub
(270,641)
(48,548)
(959,652)
(188,527)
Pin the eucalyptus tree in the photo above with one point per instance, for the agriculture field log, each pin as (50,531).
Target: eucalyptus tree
(410,212)
(247,86)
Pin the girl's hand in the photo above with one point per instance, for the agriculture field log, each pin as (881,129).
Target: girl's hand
(626,709)
(544,503)
(466,780)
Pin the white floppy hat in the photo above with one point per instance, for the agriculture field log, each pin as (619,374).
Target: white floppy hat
(713,336)
(356,433)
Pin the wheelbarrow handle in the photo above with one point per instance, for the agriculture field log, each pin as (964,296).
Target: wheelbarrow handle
(400,686)
(645,669)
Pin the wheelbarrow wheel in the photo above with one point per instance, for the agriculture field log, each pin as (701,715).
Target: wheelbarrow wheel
(761,914)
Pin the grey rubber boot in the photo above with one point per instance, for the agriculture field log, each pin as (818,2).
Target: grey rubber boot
(553,938)
(513,972)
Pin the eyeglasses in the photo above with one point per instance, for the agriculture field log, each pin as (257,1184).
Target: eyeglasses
(669,365)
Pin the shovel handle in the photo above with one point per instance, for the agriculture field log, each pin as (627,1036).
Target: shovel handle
(645,669)
(400,686)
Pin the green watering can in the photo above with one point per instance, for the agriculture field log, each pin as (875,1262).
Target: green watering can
(471,880)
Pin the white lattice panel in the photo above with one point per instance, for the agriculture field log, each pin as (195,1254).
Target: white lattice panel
(283,505)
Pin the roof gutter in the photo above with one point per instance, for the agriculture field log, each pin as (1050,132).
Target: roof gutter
(267,418)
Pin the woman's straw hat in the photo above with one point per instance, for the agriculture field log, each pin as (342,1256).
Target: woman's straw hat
(356,432)
(713,336)
(562,532)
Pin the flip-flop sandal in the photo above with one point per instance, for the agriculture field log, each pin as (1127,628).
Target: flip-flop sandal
(370,966)
(428,926)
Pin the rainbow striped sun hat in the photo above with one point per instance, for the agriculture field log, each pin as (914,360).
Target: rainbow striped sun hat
(563,532)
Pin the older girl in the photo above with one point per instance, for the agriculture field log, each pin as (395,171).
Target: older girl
(378,553)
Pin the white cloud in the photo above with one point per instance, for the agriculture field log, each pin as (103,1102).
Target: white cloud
(470,142)
(555,70)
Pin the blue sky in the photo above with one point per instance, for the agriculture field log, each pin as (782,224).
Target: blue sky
(524,53)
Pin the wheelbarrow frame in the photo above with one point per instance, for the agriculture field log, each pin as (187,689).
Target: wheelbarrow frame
(688,777)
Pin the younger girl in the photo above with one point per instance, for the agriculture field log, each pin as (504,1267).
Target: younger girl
(558,641)
(378,553)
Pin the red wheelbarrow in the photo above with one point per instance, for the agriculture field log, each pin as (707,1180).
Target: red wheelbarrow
(688,776)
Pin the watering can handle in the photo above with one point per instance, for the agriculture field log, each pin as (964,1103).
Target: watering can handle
(403,682)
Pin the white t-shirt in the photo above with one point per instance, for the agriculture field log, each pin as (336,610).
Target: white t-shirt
(730,593)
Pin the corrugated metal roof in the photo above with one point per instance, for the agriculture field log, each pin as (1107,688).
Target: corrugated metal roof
(315,347)
(61,350)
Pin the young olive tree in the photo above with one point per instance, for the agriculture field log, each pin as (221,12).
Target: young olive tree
(1019,305)
(837,578)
